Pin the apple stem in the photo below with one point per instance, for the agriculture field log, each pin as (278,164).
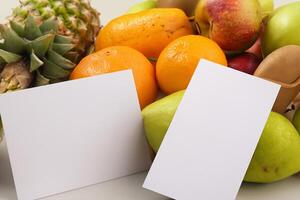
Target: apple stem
(198,28)
(192,18)
(152,59)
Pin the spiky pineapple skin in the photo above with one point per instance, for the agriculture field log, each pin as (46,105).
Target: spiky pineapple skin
(76,18)
(50,35)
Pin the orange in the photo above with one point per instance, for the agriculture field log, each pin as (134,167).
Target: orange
(119,58)
(148,31)
(178,61)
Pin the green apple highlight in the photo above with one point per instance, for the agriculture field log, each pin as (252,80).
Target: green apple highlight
(277,153)
(158,116)
(145,5)
(282,28)
(267,6)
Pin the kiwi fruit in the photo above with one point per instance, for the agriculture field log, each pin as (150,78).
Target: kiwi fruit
(282,66)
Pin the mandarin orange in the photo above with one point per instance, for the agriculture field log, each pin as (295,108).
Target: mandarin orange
(119,58)
(178,61)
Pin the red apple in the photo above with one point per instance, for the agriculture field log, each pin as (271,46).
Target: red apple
(256,48)
(246,62)
(233,24)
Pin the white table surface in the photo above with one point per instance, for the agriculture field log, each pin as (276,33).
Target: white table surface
(129,188)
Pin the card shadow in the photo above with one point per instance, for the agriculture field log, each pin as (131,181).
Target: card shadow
(7,185)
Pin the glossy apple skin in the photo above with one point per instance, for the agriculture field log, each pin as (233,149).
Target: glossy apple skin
(277,153)
(256,49)
(233,24)
(246,62)
(267,6)
(158,116)
(282,28)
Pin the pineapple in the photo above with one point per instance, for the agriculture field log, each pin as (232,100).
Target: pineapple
(43,41)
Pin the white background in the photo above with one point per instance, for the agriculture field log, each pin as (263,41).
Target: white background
(109,10)
(129,188)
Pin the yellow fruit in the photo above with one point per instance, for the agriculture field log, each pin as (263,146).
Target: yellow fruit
(119,58)
(149,31)
(178,61)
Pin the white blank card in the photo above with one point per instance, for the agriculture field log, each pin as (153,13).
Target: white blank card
(73,134)
(213,135)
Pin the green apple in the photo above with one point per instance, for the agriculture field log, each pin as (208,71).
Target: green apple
(145,5)
(282,28)
(158,116)
(278,151)
(296,120)
(276,156)
(267,6)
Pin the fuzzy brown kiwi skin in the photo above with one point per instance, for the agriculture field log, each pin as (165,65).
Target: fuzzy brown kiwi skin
(282,67)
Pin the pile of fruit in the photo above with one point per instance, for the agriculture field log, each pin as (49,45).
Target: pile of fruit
(162,42)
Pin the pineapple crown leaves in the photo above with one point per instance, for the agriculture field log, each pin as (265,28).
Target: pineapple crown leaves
(73,16)
(48,53)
